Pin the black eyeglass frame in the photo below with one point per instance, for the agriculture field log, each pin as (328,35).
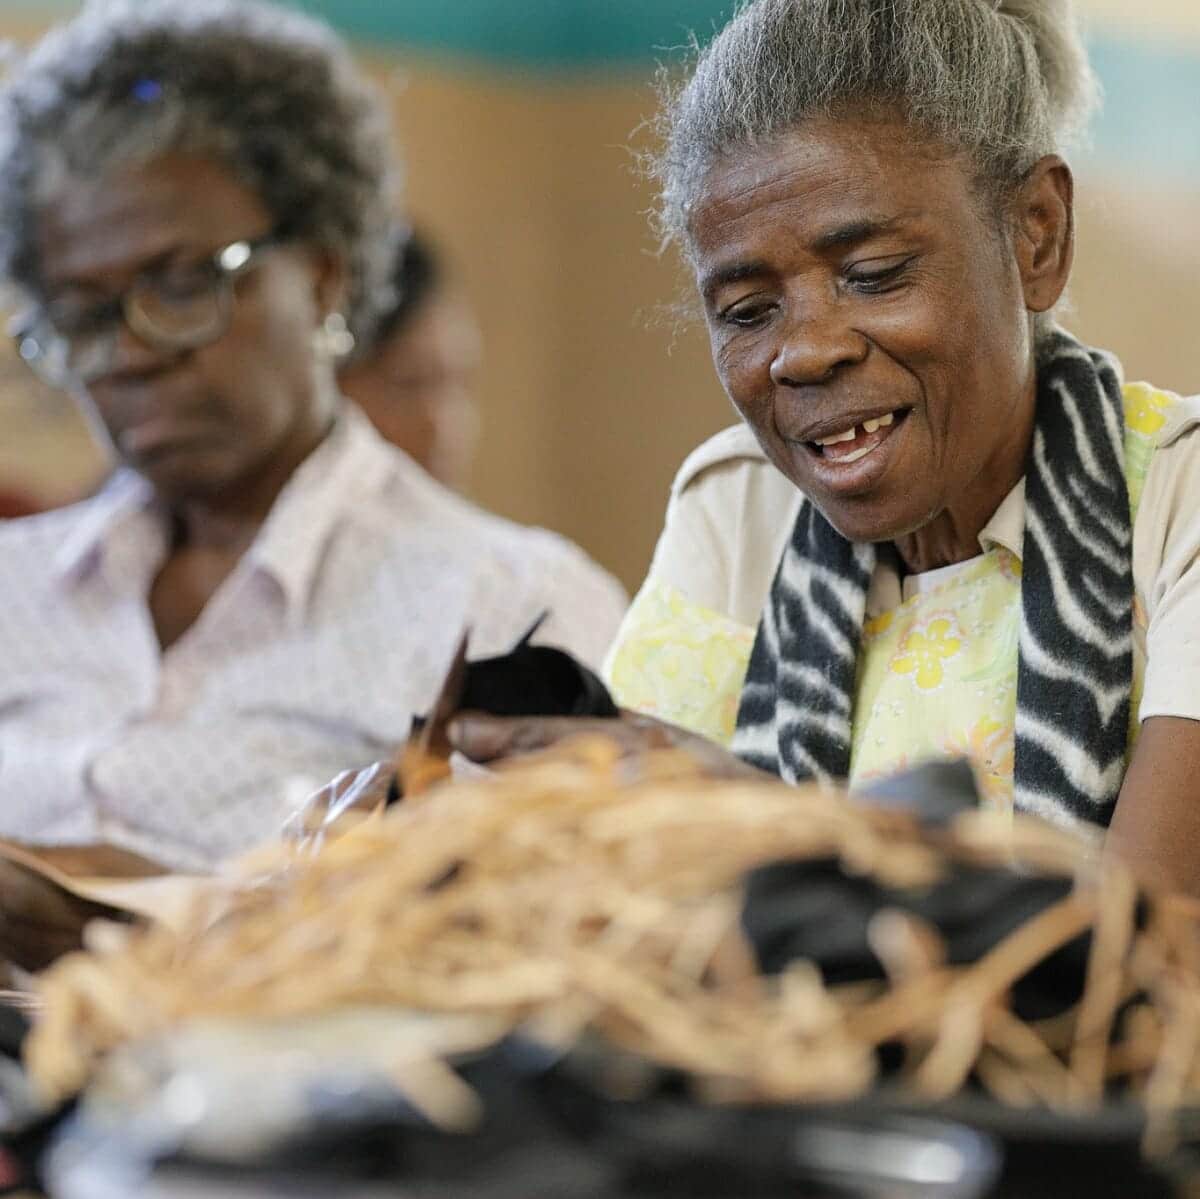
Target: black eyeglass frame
(48,351)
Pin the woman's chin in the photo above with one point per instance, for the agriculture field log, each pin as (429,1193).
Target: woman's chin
(879,517)
(186,475)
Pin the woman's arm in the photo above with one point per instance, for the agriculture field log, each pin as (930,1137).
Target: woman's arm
(1156,827)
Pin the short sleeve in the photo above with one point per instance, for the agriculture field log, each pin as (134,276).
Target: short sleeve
(1167,578)
(729,515)
(681,663)
(690,556)
(683,647)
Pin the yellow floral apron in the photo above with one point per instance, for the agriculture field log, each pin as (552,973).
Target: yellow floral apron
(937,676)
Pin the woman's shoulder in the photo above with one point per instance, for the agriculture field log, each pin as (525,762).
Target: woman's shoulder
(1162,455)
(1162,447)
(414,503)
(729,473)
(1158,415)
(516,570)
(729,513)
(723,453)
(57,532)
(1165,428)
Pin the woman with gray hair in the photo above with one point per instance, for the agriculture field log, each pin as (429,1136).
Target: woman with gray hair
(945,527)
(195,210)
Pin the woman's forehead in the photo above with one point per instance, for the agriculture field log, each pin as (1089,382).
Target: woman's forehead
(95,230)
(826,180)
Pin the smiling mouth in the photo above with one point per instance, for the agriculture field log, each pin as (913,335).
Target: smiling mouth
(855,442)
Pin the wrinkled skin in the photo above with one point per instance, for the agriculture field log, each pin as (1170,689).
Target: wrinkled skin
(848,273)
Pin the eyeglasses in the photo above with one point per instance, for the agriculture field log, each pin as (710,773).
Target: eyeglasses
(175,308)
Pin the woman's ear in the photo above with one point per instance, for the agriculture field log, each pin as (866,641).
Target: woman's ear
(1044,224)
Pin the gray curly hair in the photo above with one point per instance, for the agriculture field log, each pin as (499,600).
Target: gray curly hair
(273,95)
(1003,81)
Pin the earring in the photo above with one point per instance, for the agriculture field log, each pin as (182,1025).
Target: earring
(333,339)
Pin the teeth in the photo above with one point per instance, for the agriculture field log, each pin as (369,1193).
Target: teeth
(855,455)
(849,435)
(868,426)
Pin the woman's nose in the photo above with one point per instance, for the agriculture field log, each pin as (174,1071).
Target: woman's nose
(813,348)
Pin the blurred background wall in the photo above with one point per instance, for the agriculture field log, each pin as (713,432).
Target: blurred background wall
(515,117)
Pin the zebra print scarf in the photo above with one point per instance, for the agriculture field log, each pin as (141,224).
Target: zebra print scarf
(1075,662)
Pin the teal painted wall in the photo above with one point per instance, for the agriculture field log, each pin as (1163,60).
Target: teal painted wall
(532,33)
(1151,115)
(538,33)
(1149,119)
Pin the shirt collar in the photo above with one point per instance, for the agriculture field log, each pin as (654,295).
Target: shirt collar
(124,497)
(350,463)
(1007,525)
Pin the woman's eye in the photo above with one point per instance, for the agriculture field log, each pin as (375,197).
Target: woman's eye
(183,284)
(747,313)
(878,278)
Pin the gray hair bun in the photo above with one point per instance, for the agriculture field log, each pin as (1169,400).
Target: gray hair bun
(1001,82)
(1071,87)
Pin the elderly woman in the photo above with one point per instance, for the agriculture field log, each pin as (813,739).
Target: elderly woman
(194,205)
(946,527)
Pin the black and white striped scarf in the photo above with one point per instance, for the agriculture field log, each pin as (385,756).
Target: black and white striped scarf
(1075,663)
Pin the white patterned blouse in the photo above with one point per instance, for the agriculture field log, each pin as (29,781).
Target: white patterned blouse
(311,658)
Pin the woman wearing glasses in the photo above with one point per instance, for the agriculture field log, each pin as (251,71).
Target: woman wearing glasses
(194,203)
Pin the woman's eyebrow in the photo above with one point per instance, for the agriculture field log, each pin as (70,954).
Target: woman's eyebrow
(849,234)
(59,290)
(733,273)
(854,232)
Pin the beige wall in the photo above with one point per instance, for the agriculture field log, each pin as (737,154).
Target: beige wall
(590,397)
(1176,21)
(590,400)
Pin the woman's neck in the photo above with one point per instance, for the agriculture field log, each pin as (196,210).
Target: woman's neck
(952,536)
(230,519)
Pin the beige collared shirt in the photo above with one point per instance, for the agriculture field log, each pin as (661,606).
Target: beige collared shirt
(731,513)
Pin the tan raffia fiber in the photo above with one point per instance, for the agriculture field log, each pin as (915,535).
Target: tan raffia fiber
(582,891)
